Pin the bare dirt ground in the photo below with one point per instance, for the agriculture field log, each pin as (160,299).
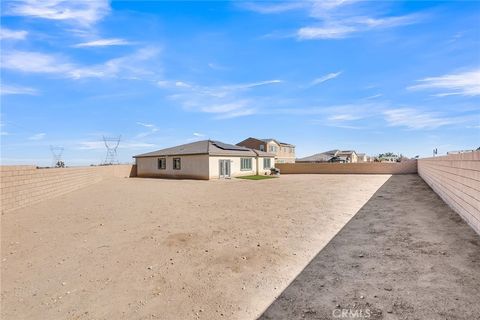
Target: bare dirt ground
(167,249)
(405,255)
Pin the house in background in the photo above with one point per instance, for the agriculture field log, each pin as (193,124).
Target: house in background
(336,156)
(362,157)
(284,152)
(204,160)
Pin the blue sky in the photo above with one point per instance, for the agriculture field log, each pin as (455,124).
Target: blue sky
(372,76)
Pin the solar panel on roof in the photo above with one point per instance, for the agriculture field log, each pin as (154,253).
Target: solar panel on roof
(225,146)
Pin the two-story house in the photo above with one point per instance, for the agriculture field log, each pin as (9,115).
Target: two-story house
(284,152)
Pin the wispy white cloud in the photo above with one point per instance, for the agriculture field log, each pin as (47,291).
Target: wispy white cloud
(344,117)
(130,66)
(230,110)
(215,90)
(273,8)
(196,136)
(464,83)
(223,101)
(416,119)
(103,43)
(335,19)
(252,85)
(12,34)
(146,125)
(378,95)
(18,90)
(324,78)
(388,22)
(81,12)
(325,32)
(35,62)
(151,130)
(37,137)
(216,66)
(346,27)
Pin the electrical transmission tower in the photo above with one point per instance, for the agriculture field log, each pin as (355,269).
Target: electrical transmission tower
(111,143)
(57,153)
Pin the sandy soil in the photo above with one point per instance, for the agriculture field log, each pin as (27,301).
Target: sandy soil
(167,249)
(405,255)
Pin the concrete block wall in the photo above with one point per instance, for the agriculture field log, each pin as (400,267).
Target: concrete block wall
(21,186)
(456,179)
(349,168)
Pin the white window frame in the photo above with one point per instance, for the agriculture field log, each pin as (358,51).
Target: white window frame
(179,163)
(269,163)
(162,163)
(246,164)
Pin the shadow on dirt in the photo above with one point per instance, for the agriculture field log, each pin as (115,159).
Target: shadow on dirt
(405,255)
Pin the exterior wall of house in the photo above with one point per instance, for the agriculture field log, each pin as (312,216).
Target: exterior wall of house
(235,167)
(199,167)
(191,167)
(354,158)
(272,147)
(456,179)
(286,154)
(362,158)
(283,154)
(265,170)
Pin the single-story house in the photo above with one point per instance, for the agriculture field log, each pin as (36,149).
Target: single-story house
(204,160)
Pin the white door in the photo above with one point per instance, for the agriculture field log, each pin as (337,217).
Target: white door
(224,168)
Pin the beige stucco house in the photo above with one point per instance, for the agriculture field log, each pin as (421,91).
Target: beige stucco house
(205,160)
(362,157)
(284,152)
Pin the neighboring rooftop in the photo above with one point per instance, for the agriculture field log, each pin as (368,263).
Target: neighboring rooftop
(278,142)
(209,147)
(328,156)
(319,157)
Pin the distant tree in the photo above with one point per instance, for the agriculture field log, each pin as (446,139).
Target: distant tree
(387,154)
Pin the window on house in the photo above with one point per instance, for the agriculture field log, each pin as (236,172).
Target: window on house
(245,163)
(262,147)
(177,164)
(162,163)
(273,149)
(267,163)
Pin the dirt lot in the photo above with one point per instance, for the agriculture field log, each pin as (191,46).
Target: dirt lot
(166,249)
(405,255)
